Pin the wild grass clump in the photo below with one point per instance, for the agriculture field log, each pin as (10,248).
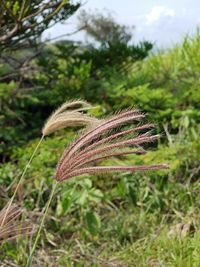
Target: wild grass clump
(58,120)
(120,135)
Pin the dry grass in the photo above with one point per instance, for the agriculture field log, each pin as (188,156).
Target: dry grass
(12,227)
(69,115)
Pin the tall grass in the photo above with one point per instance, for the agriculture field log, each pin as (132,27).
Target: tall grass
(58,120)
(115,136)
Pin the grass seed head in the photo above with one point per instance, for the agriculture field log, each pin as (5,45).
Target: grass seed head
(12,227)
(69,115)
(120,135)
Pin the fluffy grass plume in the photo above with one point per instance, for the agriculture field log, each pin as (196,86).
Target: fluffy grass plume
(69,115)
(120,135)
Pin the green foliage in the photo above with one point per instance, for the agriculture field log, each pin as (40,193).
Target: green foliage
(105,220)
(63,71)
(92,223)
(63,74)
(166,82)
(116,210)
(115,55)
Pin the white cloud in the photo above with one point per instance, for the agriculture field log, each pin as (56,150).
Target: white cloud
(159,11)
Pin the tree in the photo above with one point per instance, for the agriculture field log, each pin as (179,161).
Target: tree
(104,29)
(114,38)
(22,22)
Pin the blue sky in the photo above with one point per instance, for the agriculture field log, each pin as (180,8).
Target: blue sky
(162,22)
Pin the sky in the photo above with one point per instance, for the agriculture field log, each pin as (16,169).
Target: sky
(161,22)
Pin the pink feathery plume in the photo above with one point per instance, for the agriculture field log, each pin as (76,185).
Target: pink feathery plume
(120,135)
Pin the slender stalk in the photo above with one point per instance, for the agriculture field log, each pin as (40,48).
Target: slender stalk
(30,258)
(21,180)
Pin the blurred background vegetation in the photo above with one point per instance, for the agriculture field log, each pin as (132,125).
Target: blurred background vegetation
(149,219)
